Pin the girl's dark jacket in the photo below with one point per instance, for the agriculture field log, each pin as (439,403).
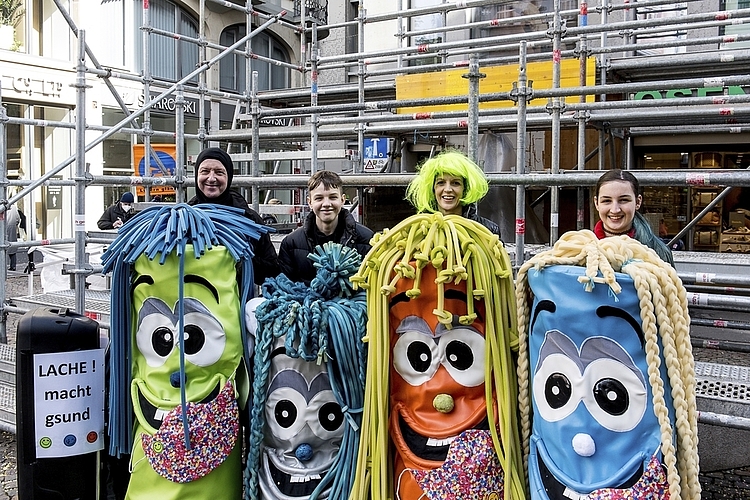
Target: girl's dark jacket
(470,212)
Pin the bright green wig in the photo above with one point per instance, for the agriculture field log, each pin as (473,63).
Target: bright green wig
(421,190)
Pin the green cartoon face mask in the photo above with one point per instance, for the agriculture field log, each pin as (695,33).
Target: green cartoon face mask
(212,333)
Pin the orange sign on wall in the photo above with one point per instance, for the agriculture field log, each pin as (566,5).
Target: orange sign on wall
(166,154)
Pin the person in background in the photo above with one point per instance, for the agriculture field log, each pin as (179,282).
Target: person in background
(328,221)
(22,224)
(118,214)
(617,198)
(450,183)
(214,171)
(12,221)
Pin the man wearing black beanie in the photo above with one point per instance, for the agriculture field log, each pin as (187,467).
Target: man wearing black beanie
(214,170)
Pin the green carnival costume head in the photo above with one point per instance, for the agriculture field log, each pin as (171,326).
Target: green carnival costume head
(180,275)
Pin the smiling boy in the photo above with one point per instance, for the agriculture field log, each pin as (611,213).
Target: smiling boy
(327,221)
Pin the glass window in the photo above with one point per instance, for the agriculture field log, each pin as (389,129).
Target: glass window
(426,22)
(662,12)
(232,69)
(15,140)
(118,148)
(12,24)
(170,58)
(523,17)
(735,29)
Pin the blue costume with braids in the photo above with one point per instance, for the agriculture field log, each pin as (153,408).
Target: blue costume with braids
(308,384)
(178,353)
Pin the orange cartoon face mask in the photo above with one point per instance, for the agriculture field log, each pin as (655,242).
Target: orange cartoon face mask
(437,378)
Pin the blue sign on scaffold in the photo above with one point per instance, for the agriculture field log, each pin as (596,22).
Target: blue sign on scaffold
(375,154)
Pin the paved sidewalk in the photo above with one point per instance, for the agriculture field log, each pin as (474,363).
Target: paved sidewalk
(8,482)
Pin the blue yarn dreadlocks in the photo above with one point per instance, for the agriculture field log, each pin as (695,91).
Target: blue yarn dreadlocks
(162,233)
(322,323)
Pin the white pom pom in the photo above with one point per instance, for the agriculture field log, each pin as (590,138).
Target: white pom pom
(584,445)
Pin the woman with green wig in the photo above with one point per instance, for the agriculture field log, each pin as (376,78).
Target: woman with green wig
(450,183)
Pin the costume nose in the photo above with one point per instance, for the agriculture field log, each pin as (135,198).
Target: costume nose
(174,379)
(584,445)
(443,403)
(304,452)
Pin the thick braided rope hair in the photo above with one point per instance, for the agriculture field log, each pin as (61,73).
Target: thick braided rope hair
(157,233)
(323,323)
(460,250)
(662,301)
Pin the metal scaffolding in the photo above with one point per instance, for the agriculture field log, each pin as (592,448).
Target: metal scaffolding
(620,41)
(633,50)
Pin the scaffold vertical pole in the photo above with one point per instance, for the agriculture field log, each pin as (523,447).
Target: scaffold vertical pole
(522,90)
(79,224)
(3,212)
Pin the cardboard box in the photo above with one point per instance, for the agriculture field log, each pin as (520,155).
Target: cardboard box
(706,238)
(738,218)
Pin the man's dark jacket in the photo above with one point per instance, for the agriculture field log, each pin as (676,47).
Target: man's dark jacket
(265,263)
(296,246)
(111,214)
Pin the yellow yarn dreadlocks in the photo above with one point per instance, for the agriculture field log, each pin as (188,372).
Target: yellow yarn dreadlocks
(460,251)
(665,326)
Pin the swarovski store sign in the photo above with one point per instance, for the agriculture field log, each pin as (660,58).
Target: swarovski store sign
(168,105)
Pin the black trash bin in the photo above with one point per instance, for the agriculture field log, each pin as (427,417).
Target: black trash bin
(42,331)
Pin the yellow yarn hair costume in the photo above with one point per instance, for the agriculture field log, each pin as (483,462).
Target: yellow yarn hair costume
(665,326)
(461,252)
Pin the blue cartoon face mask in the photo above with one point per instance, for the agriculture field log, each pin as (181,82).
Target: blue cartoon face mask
(594,430)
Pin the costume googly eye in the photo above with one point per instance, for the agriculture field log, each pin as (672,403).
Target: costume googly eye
(617,398)
(155,338)
(205,339)
(284,408)
(328,419)
(416,357)
(462,352)
(555,387)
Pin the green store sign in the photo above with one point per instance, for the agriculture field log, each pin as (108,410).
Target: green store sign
(702,92)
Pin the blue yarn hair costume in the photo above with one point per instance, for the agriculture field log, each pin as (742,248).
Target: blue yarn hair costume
(322,323)
(158,233)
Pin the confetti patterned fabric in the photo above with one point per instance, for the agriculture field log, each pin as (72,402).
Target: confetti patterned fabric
(651,486)
(214,429)
(470,471)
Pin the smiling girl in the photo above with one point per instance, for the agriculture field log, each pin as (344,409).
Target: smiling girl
(617,199)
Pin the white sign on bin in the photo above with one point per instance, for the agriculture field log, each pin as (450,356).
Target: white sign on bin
(375,156)
(69,403)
